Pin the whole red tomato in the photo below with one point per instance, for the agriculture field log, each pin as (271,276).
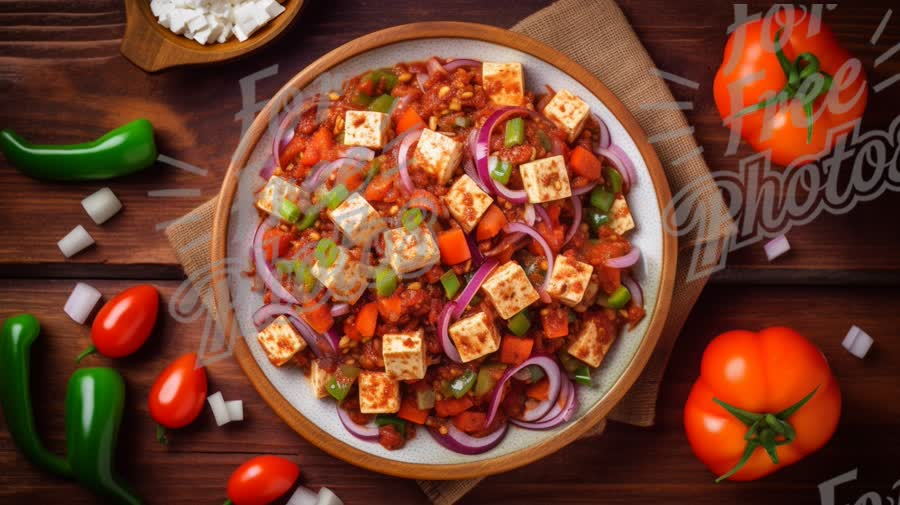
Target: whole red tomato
(789,86)
(124,323)
(178,394)
(763,401)
(261,480)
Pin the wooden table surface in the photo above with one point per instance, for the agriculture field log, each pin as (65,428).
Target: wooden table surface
(62,79)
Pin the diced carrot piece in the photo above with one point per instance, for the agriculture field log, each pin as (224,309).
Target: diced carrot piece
(391,307)
(453,406)
(319,318)
(585,164)
(276,243)
(379,187)
(491,223)
(540,390)
(411,412)
(294,148)
(320,144)
(409,120)
(367,319)
(555,322)
(453,246)
(515,350)
(470,422)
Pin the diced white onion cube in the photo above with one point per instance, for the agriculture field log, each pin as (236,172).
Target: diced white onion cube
(776,247)
(220,410)
(76,241)
(235,410)
(102,205)
(303,496)
(857,342)
(82,302)
(327,497)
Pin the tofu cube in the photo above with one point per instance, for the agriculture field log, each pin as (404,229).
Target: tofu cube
(346,278)
(276,191)
(246,21)
(197,23)
(270,7)
(467,202)
(366,128)
(404,355)
(437,154)
(592,344)
(568,112)
(378,393)
(475,336)
(227,30)
(546,179)
(504,82)
(357,219)
(318,379)
(622,222)
(569,280)
(509,289)
(410,251)
(281,341)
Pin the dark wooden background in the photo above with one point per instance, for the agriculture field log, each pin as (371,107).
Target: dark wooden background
(62,79)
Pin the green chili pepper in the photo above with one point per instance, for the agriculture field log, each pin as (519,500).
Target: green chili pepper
(95,399)
(125,150)
(614,180)
(309,218)
(515,132)
(462,384)
(519,324)
(289,211)
(385,281)
(326,252)
(451,283)
(619,298)
(501,171)
(94,402)
(336,196)
(396,422)
(382,104)
(412,218)
(602,199)
(583,375)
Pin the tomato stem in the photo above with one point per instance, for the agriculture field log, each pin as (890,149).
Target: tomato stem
(161,435)
(87,352)
(764,430)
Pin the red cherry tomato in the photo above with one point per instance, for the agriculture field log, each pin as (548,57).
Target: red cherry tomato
(125,322)
(261,480)
(178,394)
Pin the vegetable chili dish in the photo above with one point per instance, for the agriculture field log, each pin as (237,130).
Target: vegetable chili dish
(441,248)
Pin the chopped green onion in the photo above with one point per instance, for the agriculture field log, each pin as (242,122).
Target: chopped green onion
(583,375)
(412,218)
(425,399)
(519,324)
(501,170)
(614,180)
(289,211)
(545,141)
(385,281)
(361,100)
(463,122)
(336,196)
(451,283)
(515,132)
(303,274)
(619,298)
(602,199)
(326,252)
(462,384)
(285,267)
(396,422)
(309,218)
(382,104)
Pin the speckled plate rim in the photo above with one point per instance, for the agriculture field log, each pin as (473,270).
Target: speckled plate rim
(319,436)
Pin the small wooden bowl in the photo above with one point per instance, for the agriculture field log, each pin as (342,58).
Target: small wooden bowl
(153,47)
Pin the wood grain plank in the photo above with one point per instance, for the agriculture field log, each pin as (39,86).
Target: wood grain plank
(626,465)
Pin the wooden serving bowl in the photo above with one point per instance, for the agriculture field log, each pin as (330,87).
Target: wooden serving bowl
(285,389)
(153,47)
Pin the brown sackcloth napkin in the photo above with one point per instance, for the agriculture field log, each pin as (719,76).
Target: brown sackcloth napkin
(595,34)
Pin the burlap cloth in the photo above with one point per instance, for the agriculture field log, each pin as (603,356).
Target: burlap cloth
(595,34)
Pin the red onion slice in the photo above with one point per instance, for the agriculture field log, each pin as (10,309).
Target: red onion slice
(469,169)
(554,375)
(285,133)
(561,412)
(576,219)
(463,443)
(434,67)
(583,189)
(622,162)
(268,169)
(474,251)
(483,272)
(637,294)
(531,232)
(324,171)
(359,154)
(402,161)
(483,151)
(626,261)
(340,309)
(263,270)
(333,338)
(541,213)
(421,79)
(368,432)
(274,310)
(444,321)
(460,63)
(605,139)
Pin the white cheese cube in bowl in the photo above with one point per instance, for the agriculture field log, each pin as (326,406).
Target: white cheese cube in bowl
(546,179)
(504,82)
(366,128)
(404,355)
(568,112)
(467,202)
(475,336)
(437,154)
(509,289)
(378,393)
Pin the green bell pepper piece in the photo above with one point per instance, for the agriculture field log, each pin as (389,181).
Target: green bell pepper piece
(515,132)
(614,180)
(620,297)
(501,171)
(462,384)
(326,252)
(451,284)
(519,324)
(583,375)
(289,211)
(595,220)
(396,422)
(487,378)
(127,149)
(602,199)
(339,384)
(385,281)
(382,104)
